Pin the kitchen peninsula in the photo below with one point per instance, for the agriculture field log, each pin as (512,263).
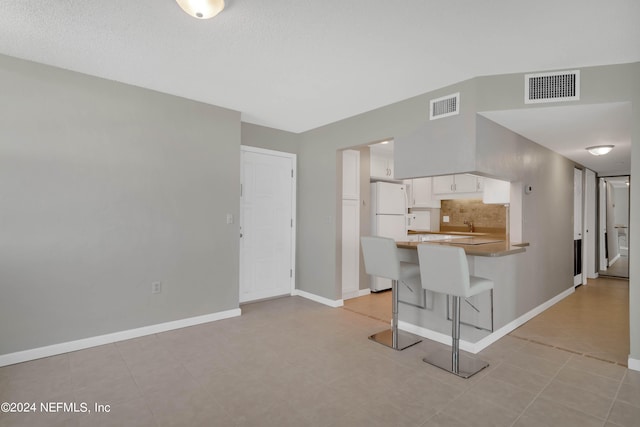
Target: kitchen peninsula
(485,317)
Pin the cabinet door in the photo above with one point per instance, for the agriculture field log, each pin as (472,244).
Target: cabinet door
(421,194)
(380,165)
(351,174)
(465,183)
(442,184)
(350,248)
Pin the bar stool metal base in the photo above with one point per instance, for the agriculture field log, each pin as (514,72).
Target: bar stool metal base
(404,339)
(467,366)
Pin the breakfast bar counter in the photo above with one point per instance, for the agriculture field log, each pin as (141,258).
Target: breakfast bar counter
(486,316)
(476,246)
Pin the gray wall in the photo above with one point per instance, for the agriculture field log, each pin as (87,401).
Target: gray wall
(106,188)
(443,146)
(547,219)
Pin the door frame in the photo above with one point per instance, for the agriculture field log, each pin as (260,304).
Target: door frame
(294,176)
(590,226)
(578,229)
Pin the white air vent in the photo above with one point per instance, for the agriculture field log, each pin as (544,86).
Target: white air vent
(443,107)
(552,87)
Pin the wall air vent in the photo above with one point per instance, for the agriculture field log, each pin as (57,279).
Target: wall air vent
(552,87)
(444,107)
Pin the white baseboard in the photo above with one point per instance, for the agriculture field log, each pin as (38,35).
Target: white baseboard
(66,347)
(356,294)
(633,364)
(494,336)
(319,299)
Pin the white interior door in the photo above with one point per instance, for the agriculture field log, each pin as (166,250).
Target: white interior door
(267,223)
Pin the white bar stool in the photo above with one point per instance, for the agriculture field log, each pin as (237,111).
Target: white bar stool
(445,269)
(381,259)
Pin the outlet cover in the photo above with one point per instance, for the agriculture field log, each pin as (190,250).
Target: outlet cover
(445,218)
(156,287)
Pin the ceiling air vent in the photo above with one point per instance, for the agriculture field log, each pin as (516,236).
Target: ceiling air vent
(552,87)
(443,107)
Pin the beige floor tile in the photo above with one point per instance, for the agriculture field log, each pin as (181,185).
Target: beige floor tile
(624,414)
(629,394)
(593,383)
(382,414)
(544,412)
(578,399)
(169,380)
(503,394)
(531,382)
(192,408)
(444,420)
(632,377)
(472,409)
(109,390)
(28,389)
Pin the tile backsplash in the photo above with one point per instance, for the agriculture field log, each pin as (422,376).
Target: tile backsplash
(490,218)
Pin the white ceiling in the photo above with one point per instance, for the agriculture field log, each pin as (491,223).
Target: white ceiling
(299,64)
(568,130)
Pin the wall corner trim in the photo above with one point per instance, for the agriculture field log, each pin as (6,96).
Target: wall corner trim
(66,347)
(318,299)
(633,364)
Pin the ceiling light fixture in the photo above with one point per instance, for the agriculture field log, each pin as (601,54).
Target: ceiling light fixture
(202,9)
(600,150)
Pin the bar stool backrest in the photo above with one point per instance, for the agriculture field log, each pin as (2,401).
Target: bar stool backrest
(381,257)
(444,269)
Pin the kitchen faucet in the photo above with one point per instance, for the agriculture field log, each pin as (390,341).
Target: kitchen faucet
(470,224)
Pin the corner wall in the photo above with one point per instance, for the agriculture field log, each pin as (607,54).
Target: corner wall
(105,189)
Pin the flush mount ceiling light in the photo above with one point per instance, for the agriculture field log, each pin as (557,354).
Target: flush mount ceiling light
(202,9)
(600,150)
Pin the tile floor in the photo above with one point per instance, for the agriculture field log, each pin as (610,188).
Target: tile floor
(292,362)
(593,321)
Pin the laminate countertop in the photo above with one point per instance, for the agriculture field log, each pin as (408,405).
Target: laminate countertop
(477,246)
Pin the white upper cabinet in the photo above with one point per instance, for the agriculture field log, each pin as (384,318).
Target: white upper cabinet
(496,191)
(461,185)
(421,194)
(381,162)
(351,174)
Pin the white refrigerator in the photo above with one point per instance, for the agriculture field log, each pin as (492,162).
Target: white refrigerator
(388,218)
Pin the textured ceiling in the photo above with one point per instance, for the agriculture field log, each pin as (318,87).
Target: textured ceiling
(300,64)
